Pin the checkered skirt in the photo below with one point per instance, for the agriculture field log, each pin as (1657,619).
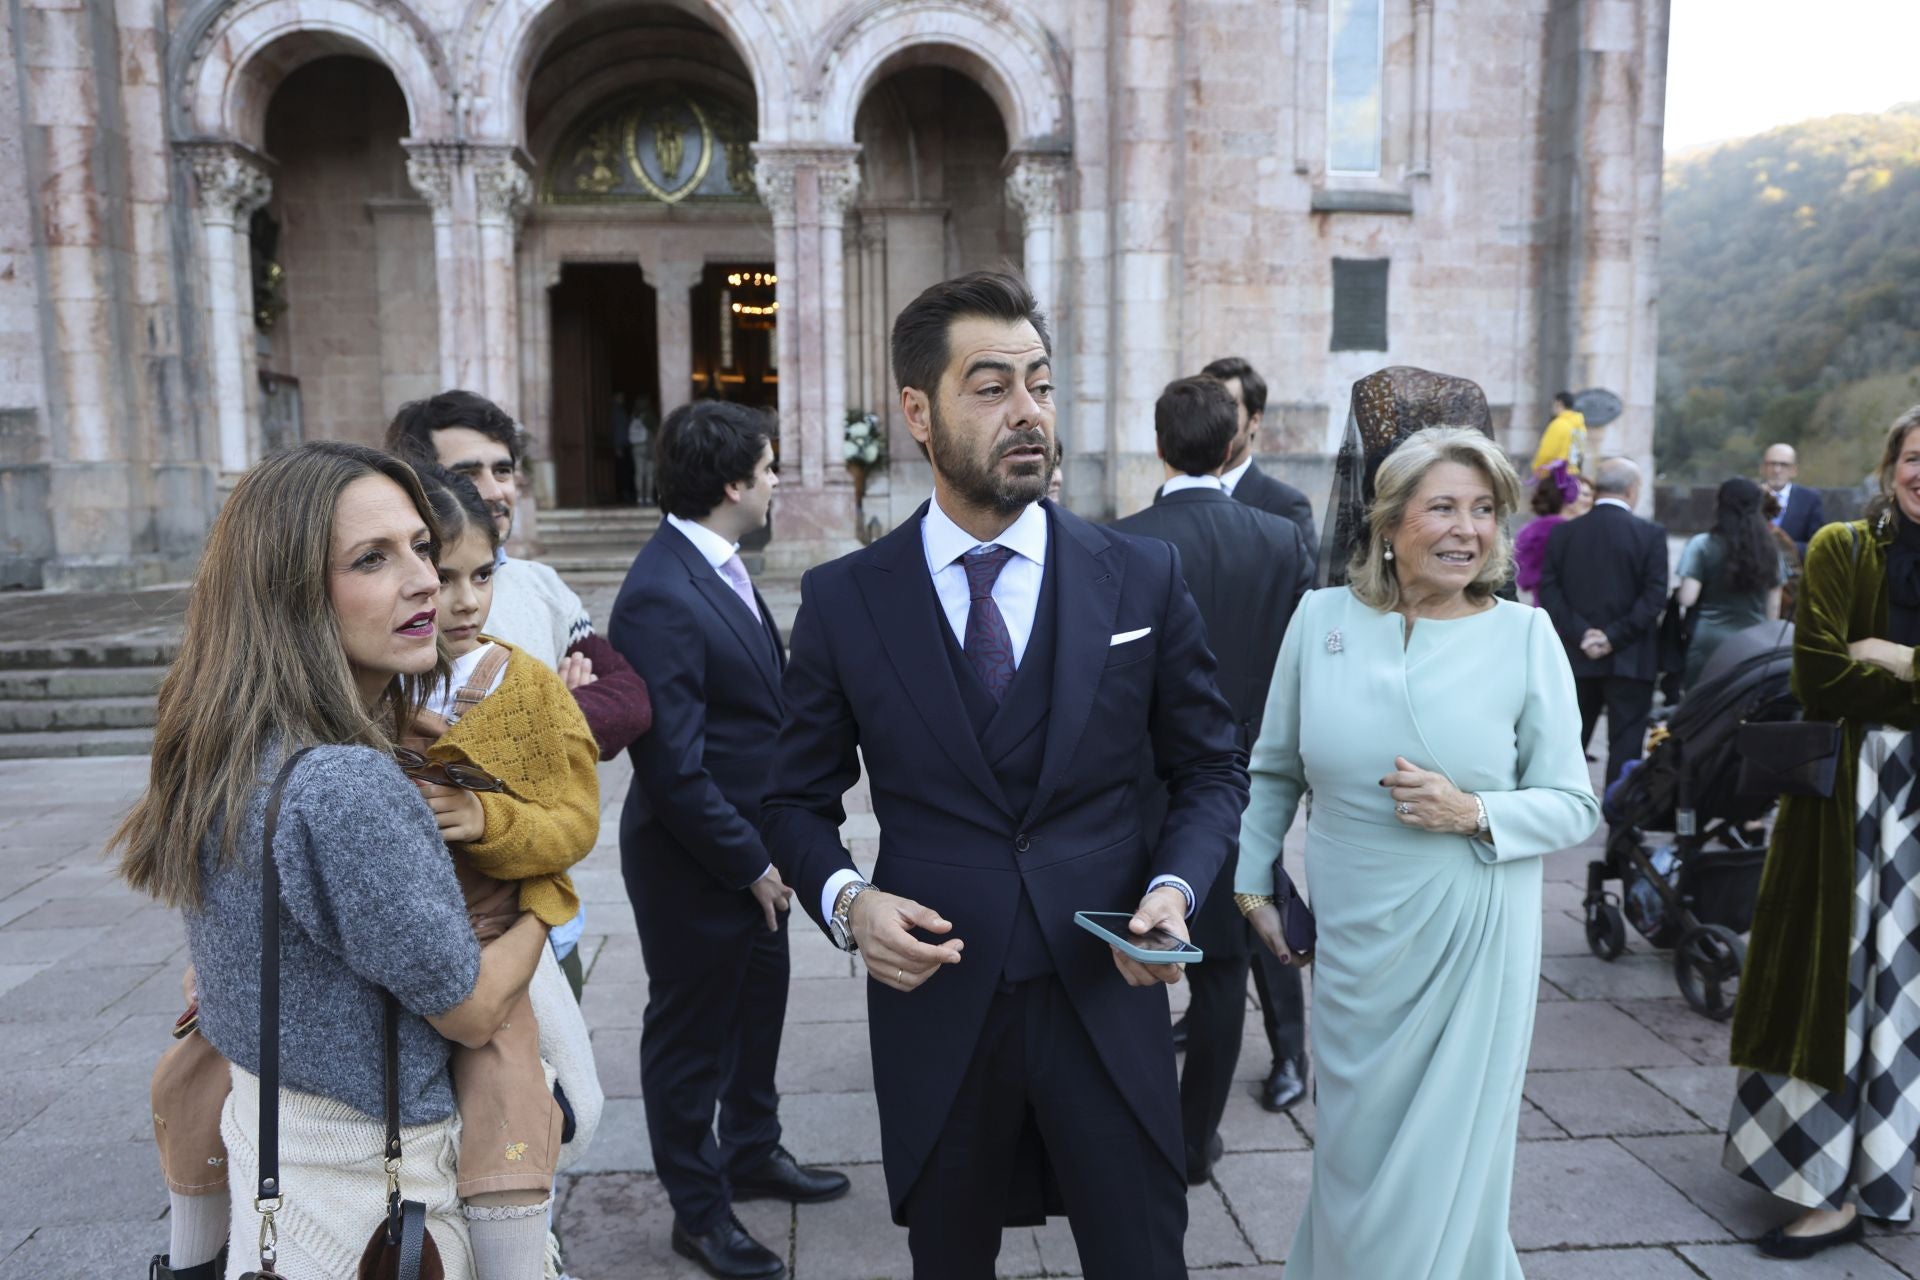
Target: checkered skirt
(1818,1148)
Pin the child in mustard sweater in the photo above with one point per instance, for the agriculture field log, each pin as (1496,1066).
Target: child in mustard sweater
(506,761)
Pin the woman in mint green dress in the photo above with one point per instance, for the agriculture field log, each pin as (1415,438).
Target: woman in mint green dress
(1436,729)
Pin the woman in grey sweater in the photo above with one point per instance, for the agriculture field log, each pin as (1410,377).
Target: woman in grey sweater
(311,624)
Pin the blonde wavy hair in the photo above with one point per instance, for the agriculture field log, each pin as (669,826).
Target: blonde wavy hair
(1882,507)
(1374,578)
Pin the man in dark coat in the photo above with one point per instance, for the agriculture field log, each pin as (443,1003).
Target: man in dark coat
(1247,569)
(708,903)
(1802,510)
(1242,476)
(1604,584)
(1001,666)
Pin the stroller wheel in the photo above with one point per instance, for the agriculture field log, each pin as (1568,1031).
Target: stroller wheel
(1707,963)
(1606,930)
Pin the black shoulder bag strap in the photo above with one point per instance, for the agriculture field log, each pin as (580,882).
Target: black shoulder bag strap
(406,1219)
(267,1196)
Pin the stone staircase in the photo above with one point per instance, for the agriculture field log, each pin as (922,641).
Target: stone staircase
(80,700)
(594,546)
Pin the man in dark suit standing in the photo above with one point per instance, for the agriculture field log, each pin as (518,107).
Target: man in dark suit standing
(1243,477)
(1247,570)
(1604,584)
(710,906)
(1002,665)
(1802,511)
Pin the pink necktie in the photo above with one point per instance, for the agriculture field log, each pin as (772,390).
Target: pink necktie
(734,570)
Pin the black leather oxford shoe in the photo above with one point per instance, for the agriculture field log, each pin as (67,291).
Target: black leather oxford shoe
(1285,1085)
(729,1252)
(781,1177)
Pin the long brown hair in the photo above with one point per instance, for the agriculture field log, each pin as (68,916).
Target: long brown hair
(1882,505)
(261,666)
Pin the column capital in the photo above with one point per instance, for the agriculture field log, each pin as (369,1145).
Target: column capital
(836,172)
(432,167)
(839,177)
(232,180)
(1033,183)
(501,183)
(774,174)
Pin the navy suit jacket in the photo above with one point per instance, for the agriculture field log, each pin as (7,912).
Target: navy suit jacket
(1608,569)
(869,673)
(1806,513)
(690,824)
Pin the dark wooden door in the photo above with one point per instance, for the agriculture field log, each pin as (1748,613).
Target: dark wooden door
(605,342)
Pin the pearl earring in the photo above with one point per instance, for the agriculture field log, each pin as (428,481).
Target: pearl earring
(1389,554)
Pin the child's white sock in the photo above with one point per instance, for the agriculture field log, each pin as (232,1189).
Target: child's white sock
(196,1228)
(509,1241)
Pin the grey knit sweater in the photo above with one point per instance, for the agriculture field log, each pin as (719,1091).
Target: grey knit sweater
(368,901)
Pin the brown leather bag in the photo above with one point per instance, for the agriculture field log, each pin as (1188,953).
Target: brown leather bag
(401,1247)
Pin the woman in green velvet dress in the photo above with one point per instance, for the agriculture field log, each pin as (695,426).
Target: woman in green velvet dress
(1437,729)
(1827,1110)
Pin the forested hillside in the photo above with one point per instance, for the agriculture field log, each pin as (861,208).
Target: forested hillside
(1790,297)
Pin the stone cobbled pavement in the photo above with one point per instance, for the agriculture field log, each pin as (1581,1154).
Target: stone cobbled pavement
(1618,1174)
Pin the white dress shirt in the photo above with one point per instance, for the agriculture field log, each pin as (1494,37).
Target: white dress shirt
(716,551)
(1017,593)
(1613,502)
(1230,479)
(1177,483)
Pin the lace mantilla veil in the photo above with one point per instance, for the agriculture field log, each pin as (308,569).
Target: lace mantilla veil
(1387,407)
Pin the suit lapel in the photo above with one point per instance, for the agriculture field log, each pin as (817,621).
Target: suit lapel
(1086,601)
(906,613)
(708,582)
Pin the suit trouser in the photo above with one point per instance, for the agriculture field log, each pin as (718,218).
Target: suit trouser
(1216,1016)
(1628,703)
(1034,1062)
(712,1034)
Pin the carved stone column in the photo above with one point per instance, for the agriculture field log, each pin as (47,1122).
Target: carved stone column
(776,177)
(503,192)
(838,177)
(1033,185)
(232,183)
(673,309)
(434,170)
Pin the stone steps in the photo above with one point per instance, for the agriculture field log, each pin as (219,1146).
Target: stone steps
(92,742)
(45,715)
(81,698)
(67,683)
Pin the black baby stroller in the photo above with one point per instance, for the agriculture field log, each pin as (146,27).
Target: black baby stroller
(1695,893)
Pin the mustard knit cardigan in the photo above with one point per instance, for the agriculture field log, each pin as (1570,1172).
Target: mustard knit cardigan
(531,735)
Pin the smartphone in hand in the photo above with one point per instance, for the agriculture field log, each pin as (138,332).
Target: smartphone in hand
(1155,946)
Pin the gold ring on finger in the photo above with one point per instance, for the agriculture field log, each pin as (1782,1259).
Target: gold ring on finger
(899,975)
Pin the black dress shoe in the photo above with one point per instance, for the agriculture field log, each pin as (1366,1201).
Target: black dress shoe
(1200,1163)
(1180,1035)
(1286,1084)
(1778,1244)
(781,1177)
(729,1252)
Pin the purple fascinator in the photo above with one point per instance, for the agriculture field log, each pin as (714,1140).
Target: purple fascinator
(1563,479)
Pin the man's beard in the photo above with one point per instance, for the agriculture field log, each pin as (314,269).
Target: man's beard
(981,483)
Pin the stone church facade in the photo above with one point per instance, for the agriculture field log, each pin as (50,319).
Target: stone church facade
(241,223)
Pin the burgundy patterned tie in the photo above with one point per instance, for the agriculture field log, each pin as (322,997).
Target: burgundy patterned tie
(988,645)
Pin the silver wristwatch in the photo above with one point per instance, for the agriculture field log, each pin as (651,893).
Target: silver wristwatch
(839,926)
(1482,827)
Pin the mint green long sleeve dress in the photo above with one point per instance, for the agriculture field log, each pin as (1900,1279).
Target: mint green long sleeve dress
(1428,960)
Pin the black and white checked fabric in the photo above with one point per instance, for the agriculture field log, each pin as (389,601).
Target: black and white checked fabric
(1817,1148)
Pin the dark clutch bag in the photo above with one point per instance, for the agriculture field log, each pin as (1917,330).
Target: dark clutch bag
(1296,917)
(1788,758)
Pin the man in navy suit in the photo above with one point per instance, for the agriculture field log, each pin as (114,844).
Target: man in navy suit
(1802,512)
(710,907)
(1002,666)
(1243,477)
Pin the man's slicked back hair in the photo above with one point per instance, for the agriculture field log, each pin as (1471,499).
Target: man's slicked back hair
(920,333)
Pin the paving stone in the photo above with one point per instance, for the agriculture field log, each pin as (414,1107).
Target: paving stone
(1692,1165)
(159,994)
(1247,1126)
(854,1236)
(104,1248)
(824,1057)
(1743,1262)
(613,1004)
(1900,1246)
(73,990)
(1059,1255)
(812,956)
(25,1094)
(71,1183)
(138,1039)
(1606,1264)
(1563,933)
(1266,1193)
(1703,1040)
(61,913)
(12,975)
(51,1041)
(622,1225)
(831,1128)
(1705,1091)
(1214,1239)
(1581,1034)
(1631,977)
(828,1000)
(1536,1124)
(99,1106)
(616,1056)
(618,960)
(1590,1192)
(1591,1104)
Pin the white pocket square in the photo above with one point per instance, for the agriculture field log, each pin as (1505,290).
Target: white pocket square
(1125,636)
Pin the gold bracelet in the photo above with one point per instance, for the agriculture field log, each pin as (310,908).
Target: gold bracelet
(1252,902)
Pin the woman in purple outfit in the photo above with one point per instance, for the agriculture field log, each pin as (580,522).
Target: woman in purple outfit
(1558,489)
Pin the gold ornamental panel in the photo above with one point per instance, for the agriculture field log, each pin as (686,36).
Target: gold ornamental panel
(667,144)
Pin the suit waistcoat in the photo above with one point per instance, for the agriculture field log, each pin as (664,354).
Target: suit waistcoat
(1013,737)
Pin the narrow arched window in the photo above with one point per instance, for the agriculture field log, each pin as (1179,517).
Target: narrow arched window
(1355,53)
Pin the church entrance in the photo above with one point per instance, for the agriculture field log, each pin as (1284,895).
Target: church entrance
(735,334)
(606,371)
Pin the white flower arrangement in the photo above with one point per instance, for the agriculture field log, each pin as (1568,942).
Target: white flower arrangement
(866,442)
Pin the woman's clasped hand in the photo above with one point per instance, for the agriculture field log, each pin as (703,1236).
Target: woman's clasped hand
(1429,801)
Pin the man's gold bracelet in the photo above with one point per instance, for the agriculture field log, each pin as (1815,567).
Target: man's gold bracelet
(1252,902)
